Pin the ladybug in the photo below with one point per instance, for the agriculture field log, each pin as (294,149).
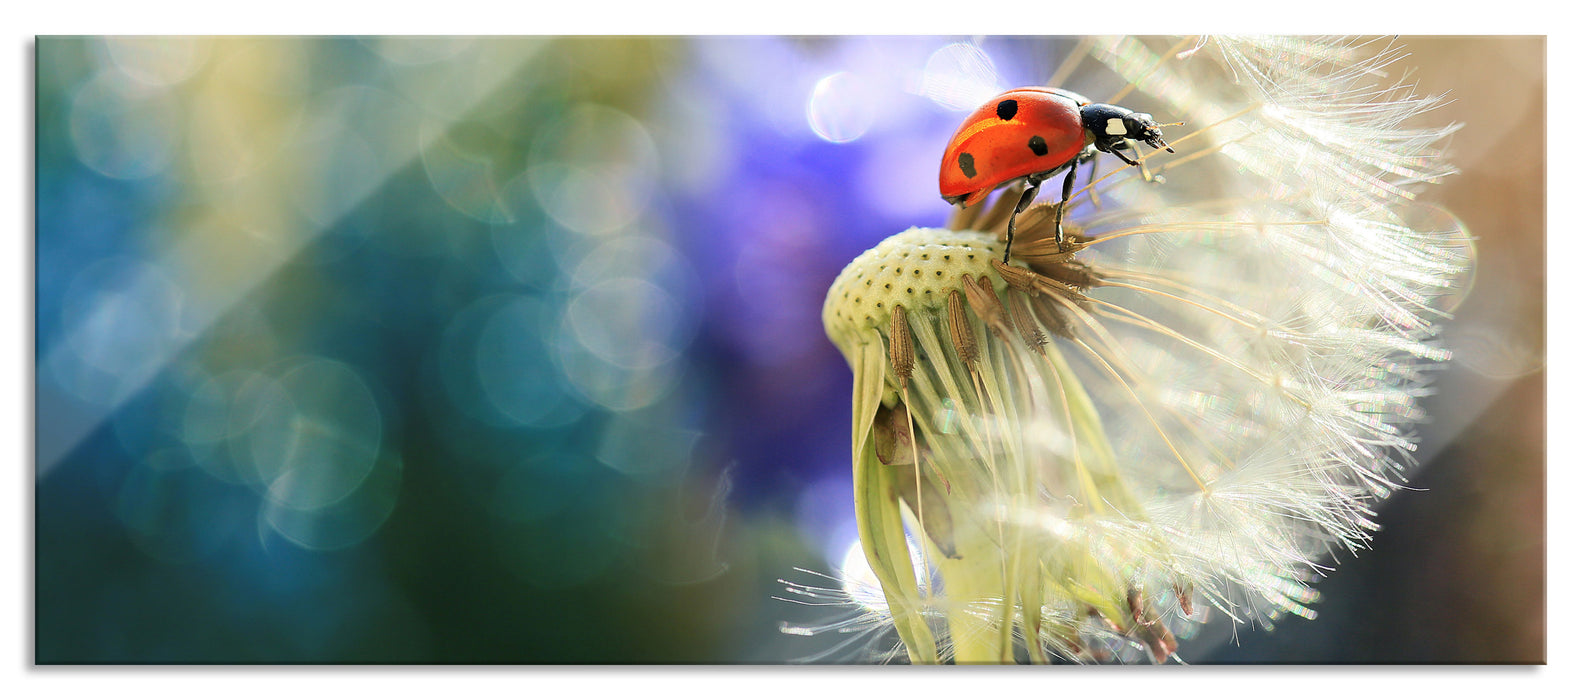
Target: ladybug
(1032,133)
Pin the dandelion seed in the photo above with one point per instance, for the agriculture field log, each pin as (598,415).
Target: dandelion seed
(1190,403)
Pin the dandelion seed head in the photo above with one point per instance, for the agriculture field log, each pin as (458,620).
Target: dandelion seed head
(1193,403)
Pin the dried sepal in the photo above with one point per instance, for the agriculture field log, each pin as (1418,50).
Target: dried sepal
(1032,282)
(1054,319)
(1019,278)
(902,354)
(986,304)
(1075,275)
(1026,326)
(962,337)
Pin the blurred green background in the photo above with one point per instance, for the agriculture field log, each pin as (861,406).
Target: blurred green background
(465,350)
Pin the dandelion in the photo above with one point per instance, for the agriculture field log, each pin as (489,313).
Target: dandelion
(1189,403)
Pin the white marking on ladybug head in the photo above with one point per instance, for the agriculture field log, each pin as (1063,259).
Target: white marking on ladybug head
(1115,127)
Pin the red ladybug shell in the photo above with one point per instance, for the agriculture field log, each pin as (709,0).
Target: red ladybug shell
(1018,133)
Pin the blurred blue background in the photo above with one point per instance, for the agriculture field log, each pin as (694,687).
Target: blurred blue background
(472,350)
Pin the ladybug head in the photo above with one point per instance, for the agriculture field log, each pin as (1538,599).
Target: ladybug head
(1110,124)
(1140,126)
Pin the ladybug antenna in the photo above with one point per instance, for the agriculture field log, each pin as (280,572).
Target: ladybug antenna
(1162,143)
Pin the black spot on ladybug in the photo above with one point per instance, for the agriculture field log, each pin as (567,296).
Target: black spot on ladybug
(967,168)
(1039,147)
(1006,109)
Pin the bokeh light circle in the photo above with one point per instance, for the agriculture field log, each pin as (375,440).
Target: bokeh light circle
(124,319)
(651,258)
(840,108)
(959,77)
(240,132)
(158,60)
(593,168)
(315,440)
(361,134)
(515,369)
(347,522)
(627,322)
(464,167)
(609,384)
(123,129)
(207,425)
(496,360)
(525,248)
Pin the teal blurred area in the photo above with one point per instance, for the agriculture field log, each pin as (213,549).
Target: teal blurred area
(376,350)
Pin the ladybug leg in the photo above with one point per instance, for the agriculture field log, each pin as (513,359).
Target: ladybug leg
(1033,181)
(1065,199)
(1117,153)
(1148,175)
